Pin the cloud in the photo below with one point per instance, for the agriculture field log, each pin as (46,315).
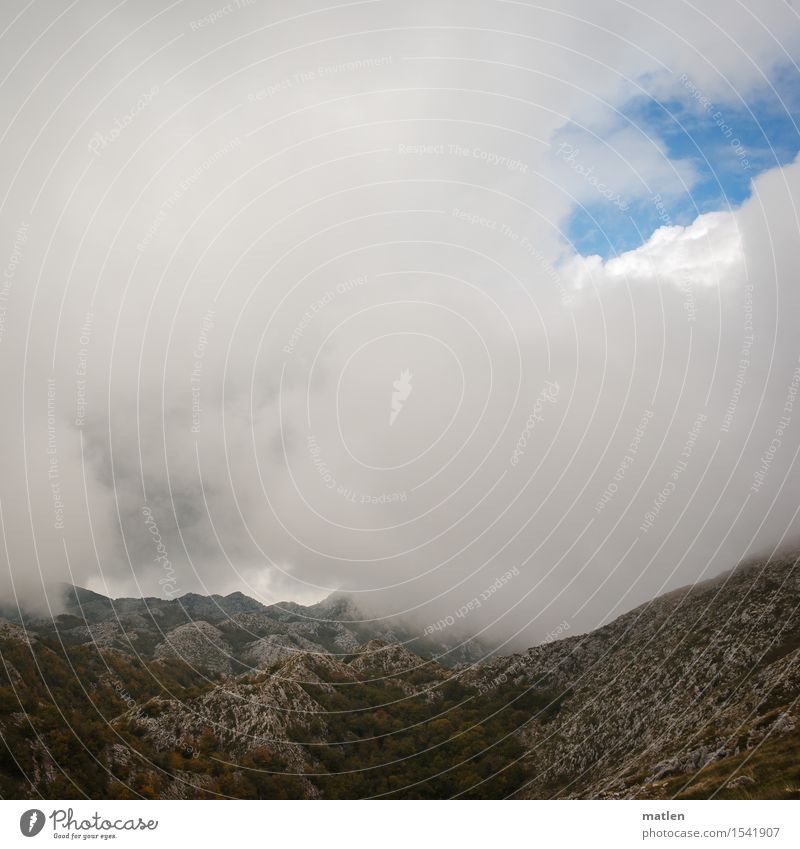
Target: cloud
(225,293)
(624,165)
(708,252)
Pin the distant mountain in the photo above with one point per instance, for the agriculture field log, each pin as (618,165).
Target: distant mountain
(234,634)
(692,695)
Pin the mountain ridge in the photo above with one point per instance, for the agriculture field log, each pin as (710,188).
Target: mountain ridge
(691,695)
(333,625)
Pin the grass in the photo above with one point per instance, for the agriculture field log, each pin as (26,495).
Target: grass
(774,766)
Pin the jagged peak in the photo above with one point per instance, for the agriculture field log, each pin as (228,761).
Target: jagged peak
(392,658)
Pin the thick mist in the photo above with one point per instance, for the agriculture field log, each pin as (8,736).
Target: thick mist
(291,303)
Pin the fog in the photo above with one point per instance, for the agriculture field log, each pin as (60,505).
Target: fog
(292,304)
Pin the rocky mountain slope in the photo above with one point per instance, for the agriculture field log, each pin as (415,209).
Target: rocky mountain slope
(692,695)
(679,696)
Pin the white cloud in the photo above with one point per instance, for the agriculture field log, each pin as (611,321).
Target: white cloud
(622,166)
(460,256)
(707,252)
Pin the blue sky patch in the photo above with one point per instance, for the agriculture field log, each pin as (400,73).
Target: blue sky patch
(727,145)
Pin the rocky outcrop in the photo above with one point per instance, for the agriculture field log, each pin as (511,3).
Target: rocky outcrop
(378,660)
(199,645)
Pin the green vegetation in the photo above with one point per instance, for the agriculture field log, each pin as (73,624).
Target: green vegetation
(61,701)
(458,744)
(370,739)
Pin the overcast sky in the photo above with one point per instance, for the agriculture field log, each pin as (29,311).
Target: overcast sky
(425,302)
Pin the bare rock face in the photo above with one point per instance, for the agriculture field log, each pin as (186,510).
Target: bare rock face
(668,689)
(241,717)
(267,651)
(199,645)
(377,659)
(275,711)
(11,630)
(102,634)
